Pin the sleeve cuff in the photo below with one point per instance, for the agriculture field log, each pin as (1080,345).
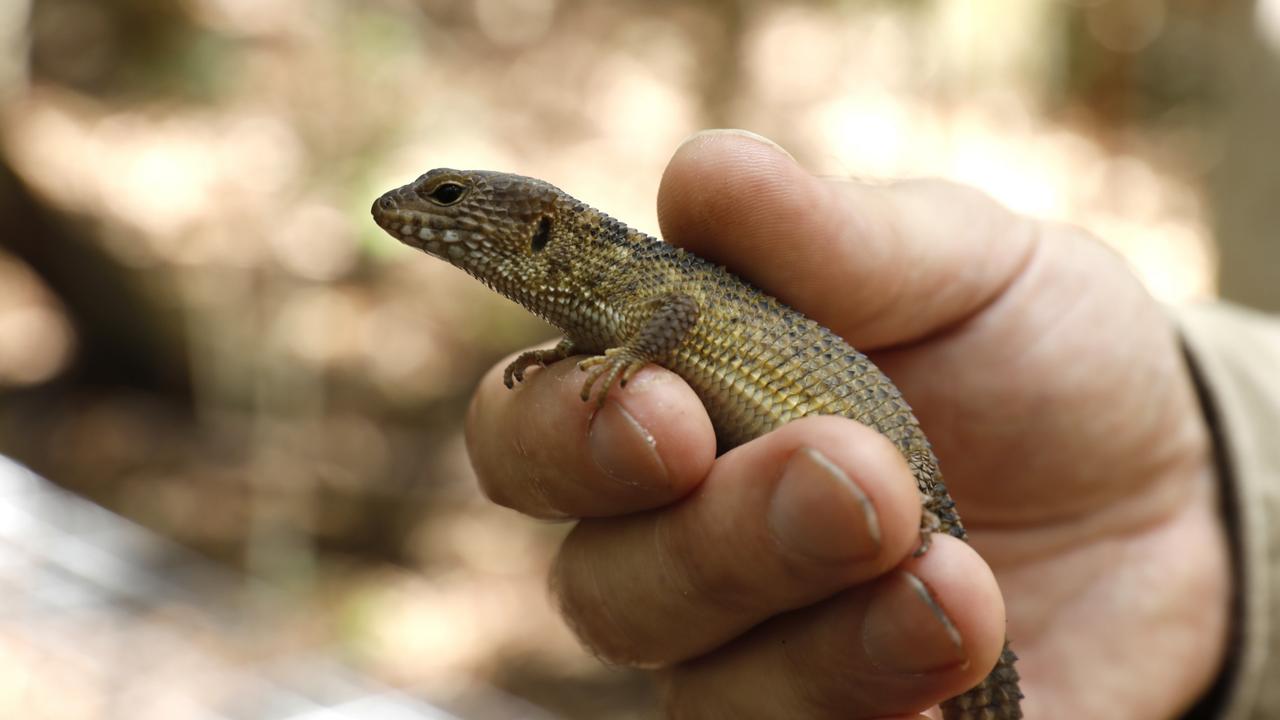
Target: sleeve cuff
(1235,359)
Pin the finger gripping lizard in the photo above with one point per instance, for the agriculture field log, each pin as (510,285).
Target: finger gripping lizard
(626,299)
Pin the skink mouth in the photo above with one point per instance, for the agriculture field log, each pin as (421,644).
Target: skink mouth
(389,213)
(386,209)
(413,228)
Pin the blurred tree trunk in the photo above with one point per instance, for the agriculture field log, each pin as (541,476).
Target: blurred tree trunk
(1244,188)
(126,334)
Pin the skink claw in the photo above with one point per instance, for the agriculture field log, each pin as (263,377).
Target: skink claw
(615,362)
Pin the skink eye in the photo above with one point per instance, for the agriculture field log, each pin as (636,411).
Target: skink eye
(447,193)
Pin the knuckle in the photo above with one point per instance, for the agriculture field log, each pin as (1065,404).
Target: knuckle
(700,571)
(526,492)
(508,470)
(684,696)
(495,487)
(828,675)
(823,689)
(583,602)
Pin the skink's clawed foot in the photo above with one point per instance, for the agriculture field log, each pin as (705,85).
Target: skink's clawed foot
(514,372)
(929,524)
(615,362)
(512,375)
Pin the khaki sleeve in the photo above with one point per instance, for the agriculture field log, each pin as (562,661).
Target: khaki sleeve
(1235,356)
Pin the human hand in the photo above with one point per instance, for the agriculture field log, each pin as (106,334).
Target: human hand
(778,581)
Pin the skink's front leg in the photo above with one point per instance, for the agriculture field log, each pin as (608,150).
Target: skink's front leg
(544,357)
(669,320)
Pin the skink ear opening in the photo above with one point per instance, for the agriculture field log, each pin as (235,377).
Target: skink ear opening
(541,235)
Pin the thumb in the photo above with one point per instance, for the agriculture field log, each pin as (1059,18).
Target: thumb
(880,264)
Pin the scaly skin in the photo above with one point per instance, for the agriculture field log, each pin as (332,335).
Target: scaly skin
(626,299)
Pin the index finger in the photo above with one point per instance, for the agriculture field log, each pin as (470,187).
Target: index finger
(541,450)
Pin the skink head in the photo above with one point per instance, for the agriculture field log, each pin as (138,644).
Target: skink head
(492,225)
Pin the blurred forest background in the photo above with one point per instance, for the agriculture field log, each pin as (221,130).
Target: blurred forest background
(202,330)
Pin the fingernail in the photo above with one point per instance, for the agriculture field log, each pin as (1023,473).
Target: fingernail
(819,513)
(623,449)
(906,631)
(735,132)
